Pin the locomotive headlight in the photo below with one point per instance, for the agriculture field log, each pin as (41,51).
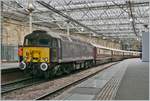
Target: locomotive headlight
(43,66)
(46,59)
(22,65)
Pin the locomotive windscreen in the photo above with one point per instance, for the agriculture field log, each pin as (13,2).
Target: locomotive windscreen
(40,39)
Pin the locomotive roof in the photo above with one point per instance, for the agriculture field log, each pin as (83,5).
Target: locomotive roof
(56,35)
(52,34)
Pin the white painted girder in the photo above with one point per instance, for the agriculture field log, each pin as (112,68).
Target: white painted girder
(104,23)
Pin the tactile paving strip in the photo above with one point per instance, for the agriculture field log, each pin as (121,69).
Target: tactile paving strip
(108,92)
(85,90)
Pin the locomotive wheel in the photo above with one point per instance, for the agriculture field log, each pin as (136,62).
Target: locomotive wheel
(86,64)
(66,70)
(59,71)
(82,65)
(34,72)
(56,71)
(90,63)
(47,74)
(73,67)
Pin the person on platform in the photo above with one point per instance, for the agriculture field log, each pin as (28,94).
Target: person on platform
(20,54)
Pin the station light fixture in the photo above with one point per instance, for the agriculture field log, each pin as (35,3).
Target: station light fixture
(30,10)
(113,40)
(30,7)
(93,34)
(131,19)
(104,38)
(82,29)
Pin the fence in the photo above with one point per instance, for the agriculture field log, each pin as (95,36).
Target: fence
(9,53)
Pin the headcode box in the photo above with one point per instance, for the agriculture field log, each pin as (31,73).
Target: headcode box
(145,47)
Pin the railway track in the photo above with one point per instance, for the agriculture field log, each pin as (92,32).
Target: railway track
(12,74)
(54,87)
(10,70)
(18,84)
(62,88)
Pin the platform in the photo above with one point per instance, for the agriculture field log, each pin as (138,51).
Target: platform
(9,65)
(135,83)
(112,81)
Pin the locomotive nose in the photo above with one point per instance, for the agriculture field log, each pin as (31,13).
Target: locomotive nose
(22,66)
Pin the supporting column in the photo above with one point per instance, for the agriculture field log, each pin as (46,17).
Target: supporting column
(30,9)
(30,22)
(68,29)
(145,47)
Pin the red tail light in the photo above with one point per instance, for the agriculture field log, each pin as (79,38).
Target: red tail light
(20,51)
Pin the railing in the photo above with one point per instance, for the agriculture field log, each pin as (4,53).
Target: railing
(9,53)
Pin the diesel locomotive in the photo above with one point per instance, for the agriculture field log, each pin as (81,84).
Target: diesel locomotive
(48,54)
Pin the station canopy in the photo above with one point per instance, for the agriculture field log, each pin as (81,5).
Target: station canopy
(115,19)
